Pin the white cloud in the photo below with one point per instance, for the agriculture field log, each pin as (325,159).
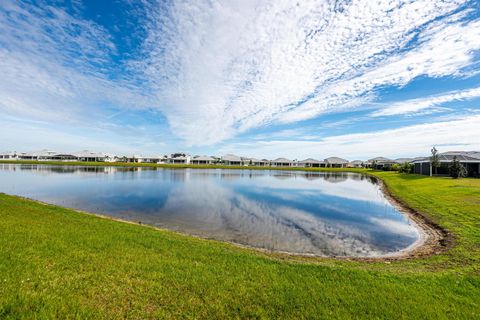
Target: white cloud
(416,105)
(216,69)
(223,68)
(56,67)
(405,141)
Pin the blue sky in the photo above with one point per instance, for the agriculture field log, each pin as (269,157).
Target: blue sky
(355,79)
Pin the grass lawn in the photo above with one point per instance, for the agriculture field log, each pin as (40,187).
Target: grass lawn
(58,263)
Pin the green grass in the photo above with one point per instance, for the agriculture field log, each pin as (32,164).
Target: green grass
(58,263)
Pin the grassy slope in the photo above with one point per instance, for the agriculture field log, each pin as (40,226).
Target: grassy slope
(57,262)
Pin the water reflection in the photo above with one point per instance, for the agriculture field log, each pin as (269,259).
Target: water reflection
(341,214)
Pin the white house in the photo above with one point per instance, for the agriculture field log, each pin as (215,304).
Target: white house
(381,162)
(256,162)
(311,163)
(336,162)
(10,155)
(179,158)
(356,164)
(148,159)
(42,155)
(203,160)
(282,162)
(90,156)
(232,160)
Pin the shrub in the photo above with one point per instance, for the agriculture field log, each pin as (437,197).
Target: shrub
(405,168)
(395,167)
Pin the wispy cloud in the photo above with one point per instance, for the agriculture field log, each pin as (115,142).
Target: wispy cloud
(405,141)
(417,105)
(57,67)
(215,69)
(223,68)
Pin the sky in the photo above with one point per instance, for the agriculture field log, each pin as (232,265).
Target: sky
(267,79)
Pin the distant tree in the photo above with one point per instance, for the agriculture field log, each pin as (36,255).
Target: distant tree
(457,170)
(434,160)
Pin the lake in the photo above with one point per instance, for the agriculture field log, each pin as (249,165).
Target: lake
(320,213)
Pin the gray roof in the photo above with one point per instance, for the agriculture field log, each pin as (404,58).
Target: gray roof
(232,158)
(403,160)
(336,160)
(203,158)
(146,157)
(282,160)
(380,159)
(256,160)
(88,154)
(357,162)
(311,160)
(42,153)
(462,156)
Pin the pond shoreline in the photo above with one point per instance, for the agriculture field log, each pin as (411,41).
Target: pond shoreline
(433,239)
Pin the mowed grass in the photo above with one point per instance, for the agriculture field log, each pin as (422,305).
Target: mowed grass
(58,263)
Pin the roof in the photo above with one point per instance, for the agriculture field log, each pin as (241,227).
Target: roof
(231,157)
(381,159)
(146,157)
(180,158)
(255,160)
(203,158)
(311,160)
(403,160)
(336,160)
(282,160)
(357,162)
(88,154)
(462,156)
(40,153)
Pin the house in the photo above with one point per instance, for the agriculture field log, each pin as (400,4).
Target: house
(148,159)
(311,163)
(380,163)
(42,155)
(232,160)
(8,155)
(90,156)
(179,158)
(203,160)
(356,164)
(282,162)
(27,156)
(257,162)
(336,162)
(112,158)
(469,159)
(163,160)
(61,157)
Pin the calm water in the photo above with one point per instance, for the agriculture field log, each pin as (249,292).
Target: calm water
(320,213)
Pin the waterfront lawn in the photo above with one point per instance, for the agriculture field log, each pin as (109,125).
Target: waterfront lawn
(58,263)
